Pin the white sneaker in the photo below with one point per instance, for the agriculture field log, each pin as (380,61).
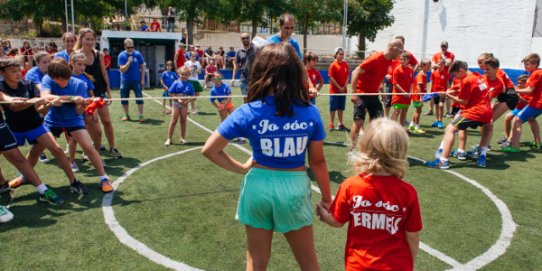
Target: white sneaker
(74,167)
(84,157)
(168,142)
(5,215)
(182,141)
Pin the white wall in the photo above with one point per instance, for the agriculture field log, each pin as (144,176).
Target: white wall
(471,27)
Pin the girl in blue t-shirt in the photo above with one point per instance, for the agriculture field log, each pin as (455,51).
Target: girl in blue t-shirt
(68,116)
(180,88)
(166,79)
(281,125)
(224,105)
(77,63)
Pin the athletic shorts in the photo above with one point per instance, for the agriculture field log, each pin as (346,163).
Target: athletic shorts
(455,110)
(275,200)
(196,85)
(337,103)
(511,100)
(165,93)
(463,123)
(528,113)
(229,106)
(7,140)
(417,104)
(57,131)
(30,136)
(369,104)
(439,99)
(400,106)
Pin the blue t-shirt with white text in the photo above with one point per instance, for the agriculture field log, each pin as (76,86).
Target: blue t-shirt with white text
(180,87)
(64,115)
(223,90)
(276,39)
(169,78)
(134,71)
(277,142)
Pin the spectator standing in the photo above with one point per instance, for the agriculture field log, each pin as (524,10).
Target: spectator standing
(170,26)
(132,76)
(243,59)
(155,25)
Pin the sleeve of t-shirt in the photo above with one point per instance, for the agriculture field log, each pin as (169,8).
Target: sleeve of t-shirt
(535,80)
(465,92)
(90,85)
(172,88)
(123,59)
(81,89)
(319,77)
(140,59)
(367,64)
(319,131)
(413,221)
(340,208)
(47,84)
(234,125)
(331,72)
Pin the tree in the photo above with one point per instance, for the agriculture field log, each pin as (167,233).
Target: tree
(308,12)
(256,11)
(366,18)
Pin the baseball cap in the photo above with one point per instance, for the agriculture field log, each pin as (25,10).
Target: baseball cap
(444,43)
(337,50)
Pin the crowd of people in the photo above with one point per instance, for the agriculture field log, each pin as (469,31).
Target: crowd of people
(283,126)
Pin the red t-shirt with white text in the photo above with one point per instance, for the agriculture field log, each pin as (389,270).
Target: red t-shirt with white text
(475,90)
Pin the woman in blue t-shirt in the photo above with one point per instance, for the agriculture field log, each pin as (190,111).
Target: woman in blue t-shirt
(280,124)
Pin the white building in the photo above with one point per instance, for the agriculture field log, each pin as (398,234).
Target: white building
(508,29)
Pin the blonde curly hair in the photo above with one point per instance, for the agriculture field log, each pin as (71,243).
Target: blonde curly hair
(382,148)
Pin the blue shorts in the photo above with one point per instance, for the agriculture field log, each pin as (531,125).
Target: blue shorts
(165,94)
(337,103)
(30,136)
(528,113)
(275,200)
(125,87)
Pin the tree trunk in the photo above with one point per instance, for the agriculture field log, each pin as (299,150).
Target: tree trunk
(361,46)
(305,31)
(254,27)
(190,31)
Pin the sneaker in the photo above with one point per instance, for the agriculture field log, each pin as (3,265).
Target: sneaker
(438,164)
(105,185)
(5,187)
(418,130)
(43,158)
(5,215)
(141,119)
(168,142)
(102,148)
(428,113)
(115,153)
(510,149)
(182,141)
(440,125)
(126,117)
(435,123)
(412,128)
(502,140)
(84,157)
(194,113)
(505,144)
(448,115)
(51,197)
(331,127)
(20,180)
(74,167)
(78,188)
(481,162)
(341,127)
(461,156)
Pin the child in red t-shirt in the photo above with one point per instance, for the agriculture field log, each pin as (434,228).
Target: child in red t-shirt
(440,82)
(403,78)
(339,75)
(420,86)
(155,26)
(315,78)
(382,211)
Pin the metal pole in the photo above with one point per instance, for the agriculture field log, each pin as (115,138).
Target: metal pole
(126,10)
(345,21)
(67,20)
(73,18)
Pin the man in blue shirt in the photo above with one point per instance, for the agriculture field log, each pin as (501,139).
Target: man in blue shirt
(132,76)
(286,29)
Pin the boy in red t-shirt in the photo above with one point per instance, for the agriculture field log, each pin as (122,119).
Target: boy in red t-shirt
(420,86)
(155,25)
(339,74)
(382,211)
(475,111)
(403,78)
(534,106)
(440,82)
(315,78)
(107,59)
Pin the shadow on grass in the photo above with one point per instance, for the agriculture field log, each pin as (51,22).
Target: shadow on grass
(334,176)
(154,122)
(40,215)
(115,167)
(189,195)
(202,113)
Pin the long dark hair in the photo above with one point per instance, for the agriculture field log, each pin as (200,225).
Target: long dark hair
(277,70)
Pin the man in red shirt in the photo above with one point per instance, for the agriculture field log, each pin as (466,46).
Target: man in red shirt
(366,79)
(475,111)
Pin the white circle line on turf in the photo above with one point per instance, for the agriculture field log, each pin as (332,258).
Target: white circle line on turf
(124,237)
(498,249)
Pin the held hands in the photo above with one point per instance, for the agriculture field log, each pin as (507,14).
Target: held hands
(322,210)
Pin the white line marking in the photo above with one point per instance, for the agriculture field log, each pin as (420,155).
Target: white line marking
(494,252)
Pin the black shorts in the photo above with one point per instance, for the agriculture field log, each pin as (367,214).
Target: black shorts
(369,104)
(455,109)
(7,140)
(463,123)
(57,131)
(439,99)
(511,100)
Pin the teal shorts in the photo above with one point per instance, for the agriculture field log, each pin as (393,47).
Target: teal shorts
(275,200)
(417,104)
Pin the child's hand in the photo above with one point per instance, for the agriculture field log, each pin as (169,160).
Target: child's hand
(78,99)
(322,211)
(56,102)
(248,165)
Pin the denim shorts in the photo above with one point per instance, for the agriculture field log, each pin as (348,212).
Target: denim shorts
(275,200)
(125,87)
